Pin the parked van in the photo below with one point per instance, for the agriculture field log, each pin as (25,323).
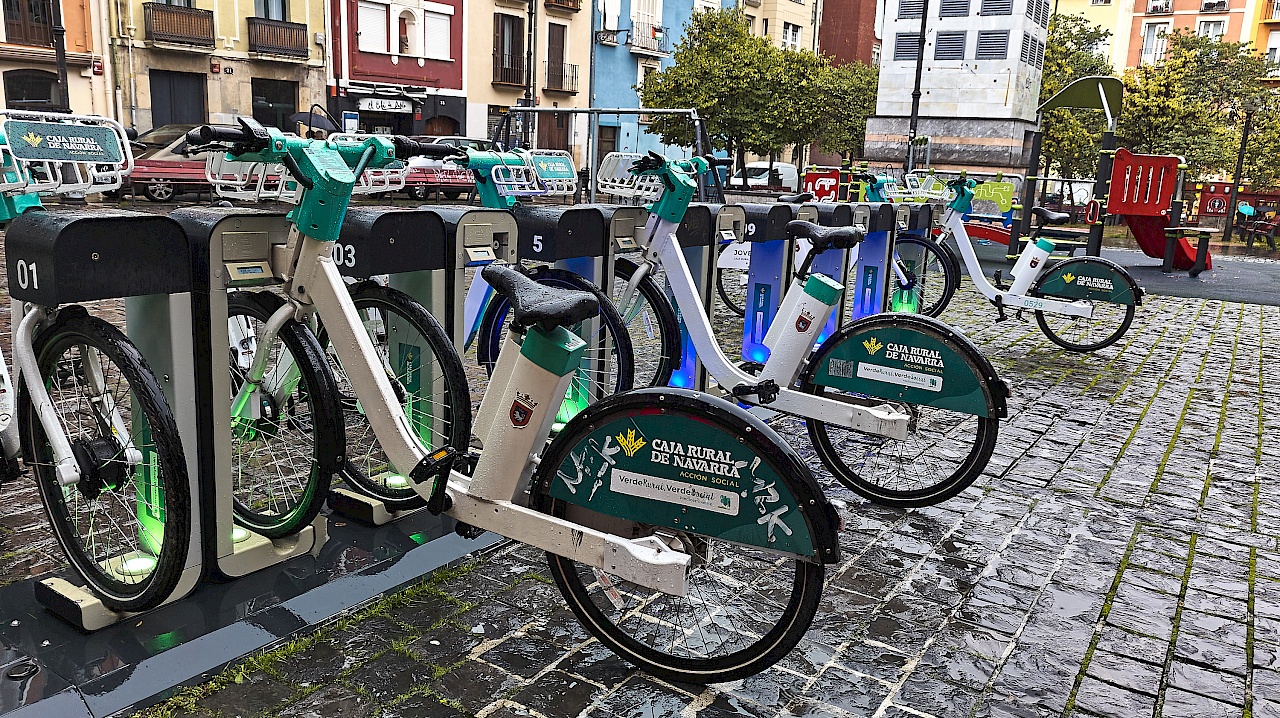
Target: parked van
(784,176)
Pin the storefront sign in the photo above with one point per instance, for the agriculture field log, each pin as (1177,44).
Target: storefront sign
(383,104)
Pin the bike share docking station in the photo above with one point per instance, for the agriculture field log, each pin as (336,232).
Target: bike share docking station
(770,269)
(424,253)
(115,254)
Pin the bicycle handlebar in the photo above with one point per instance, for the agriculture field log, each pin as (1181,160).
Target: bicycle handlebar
(719,161)
(250,133)
(406,148)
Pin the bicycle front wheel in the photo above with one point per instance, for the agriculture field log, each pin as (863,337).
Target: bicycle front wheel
(935,276)
(125,526)
(651,321)
(285,444)
(428,378)
(607,365)
(749,600)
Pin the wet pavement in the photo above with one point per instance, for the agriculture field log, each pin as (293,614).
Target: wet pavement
(1118,559)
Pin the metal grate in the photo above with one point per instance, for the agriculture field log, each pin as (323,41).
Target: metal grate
(906,46)
(949,46)
(953,8)
(910,8)
(992,45)
(1032,52)
(996,7)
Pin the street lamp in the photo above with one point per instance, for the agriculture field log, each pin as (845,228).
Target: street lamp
(1249,105)
(915,93)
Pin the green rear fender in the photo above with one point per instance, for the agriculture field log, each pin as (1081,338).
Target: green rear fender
(686,461)
(909,358)
(1090,278)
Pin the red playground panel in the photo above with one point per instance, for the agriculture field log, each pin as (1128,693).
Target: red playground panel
(1142,189)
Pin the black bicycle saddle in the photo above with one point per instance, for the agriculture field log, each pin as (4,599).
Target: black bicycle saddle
(533,303)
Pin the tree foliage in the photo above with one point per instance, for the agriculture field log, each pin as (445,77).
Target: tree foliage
(1070,141)
(755,97)
(1189,104)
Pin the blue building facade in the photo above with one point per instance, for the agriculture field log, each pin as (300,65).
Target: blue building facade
(634,38)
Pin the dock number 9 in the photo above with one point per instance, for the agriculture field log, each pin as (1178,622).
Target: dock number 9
(344,254)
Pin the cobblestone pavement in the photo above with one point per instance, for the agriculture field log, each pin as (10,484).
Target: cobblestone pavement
(1119,558)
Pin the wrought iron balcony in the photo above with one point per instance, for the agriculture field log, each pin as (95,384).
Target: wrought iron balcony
(177,24)
(570,5)
(648,39)
(274,37)
(508,69)
(561,77)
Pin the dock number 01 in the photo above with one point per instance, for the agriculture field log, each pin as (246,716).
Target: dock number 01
(27,275)
(343,254)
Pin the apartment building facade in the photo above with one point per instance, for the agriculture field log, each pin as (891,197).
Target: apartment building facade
(28,72)
(1153,20)
(787,23)
(196,61)
(981,82)
(398,66)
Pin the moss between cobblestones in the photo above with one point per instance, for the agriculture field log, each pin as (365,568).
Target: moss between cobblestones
(188,699)
(1248,635)
(1177,625)
(1102,617)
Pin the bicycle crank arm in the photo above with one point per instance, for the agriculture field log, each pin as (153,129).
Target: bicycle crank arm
(646,562)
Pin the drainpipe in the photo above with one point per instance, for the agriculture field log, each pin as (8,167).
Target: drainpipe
(530,40)
(60,55)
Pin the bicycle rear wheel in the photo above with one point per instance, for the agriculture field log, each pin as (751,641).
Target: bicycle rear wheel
(126,525)
(607,365)
(746,606)
(651,321)
(1109,322)
(428,378)
(285,452)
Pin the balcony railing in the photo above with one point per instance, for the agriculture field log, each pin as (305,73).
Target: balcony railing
(561,77)
(647,38)
(1272,11)
(1214,6)
(177,24)
(508,69)
(1153,51)
(570,5)
(273,37)
(1159,7)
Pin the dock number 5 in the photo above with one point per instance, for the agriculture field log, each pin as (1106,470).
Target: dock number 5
(344,254)
(27,276)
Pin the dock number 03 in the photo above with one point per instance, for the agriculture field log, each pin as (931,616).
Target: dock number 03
(27,276)
(343,254)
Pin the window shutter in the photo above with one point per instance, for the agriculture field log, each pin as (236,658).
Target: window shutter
(906,45)
(993,45)
(953,8)
(437,27)
(949,46)
(996,7)
(910,8)
(371,22)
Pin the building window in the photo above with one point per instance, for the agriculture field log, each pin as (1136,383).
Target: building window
(790,36)
(953,8)
(996,7)
(508,49)
(1038,10)
(992,45)
(372,31)
(908,9)
(1099,2)
(751,24)
(1212,29)
(906,46)
(273,102)
(1273,50)
(875,55)
(31,90)
(764,27)
(271,9)
(439,34)
(1032,52)
(27,22)
(1153,42)
(949,46)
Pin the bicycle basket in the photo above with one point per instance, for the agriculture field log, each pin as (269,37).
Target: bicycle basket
(60,154)
(250,181)
(613,177)
(556,171)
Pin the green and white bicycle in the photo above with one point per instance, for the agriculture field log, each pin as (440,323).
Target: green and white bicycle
(682,531)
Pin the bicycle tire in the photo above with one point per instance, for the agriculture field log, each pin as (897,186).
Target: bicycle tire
(364,468)
(618,376)
(715,574)
(730,298)
(311,409)
(847,457)
(170,505)
(1057,335)
(650,311)
(939,265)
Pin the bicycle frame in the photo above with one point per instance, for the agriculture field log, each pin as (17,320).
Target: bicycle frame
(528,392)
(953,222)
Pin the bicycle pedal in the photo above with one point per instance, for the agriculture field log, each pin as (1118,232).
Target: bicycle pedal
(766,391)
(467,531)
(436,465)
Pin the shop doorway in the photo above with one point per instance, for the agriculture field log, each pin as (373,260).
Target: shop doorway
(553,131)
(177,98)
(274,101)
(441,127)
(386,123)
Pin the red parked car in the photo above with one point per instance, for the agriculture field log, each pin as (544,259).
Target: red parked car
(160,170)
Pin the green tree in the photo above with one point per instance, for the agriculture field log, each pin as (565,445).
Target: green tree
(848,99)
(1070,141)
(1187,104)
